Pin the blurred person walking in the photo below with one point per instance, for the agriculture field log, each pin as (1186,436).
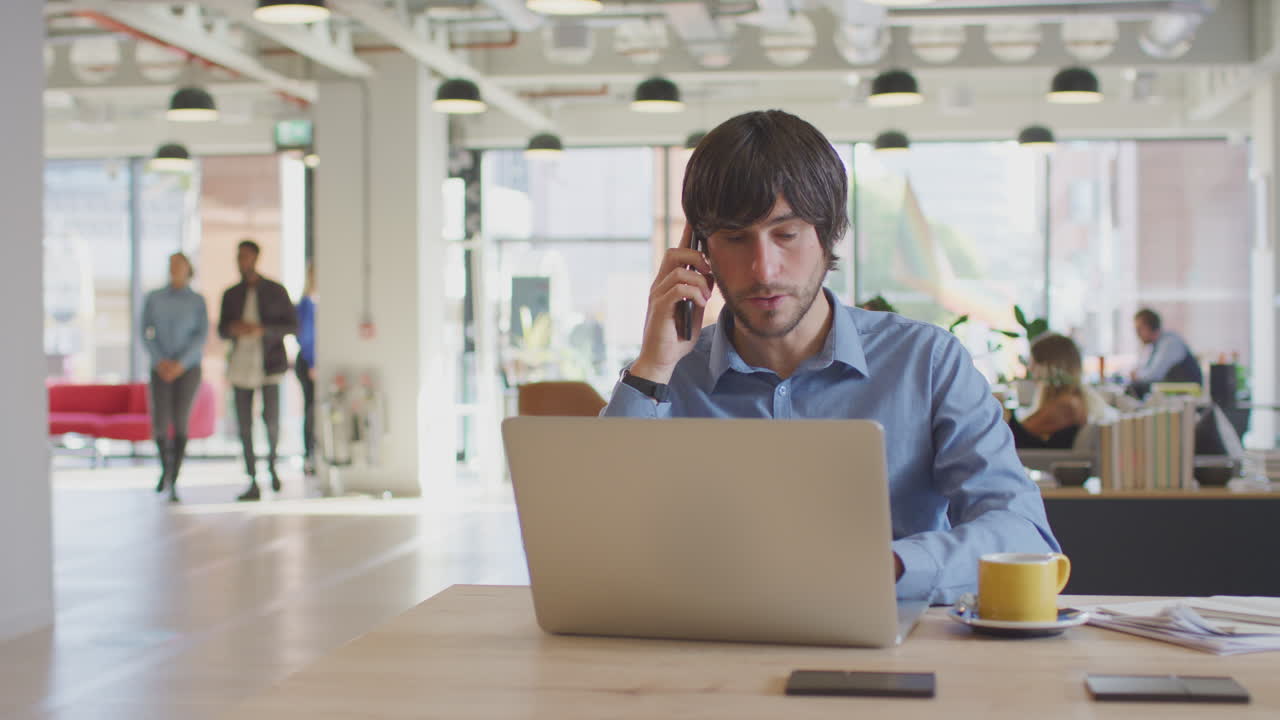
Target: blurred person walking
(256,315)
(305,368)
(175,326)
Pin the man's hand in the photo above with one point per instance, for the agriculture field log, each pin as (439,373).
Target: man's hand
(684,274)
(240,328)
(898,569)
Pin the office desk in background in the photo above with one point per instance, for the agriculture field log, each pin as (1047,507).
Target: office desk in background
(1210,541)
(475,652)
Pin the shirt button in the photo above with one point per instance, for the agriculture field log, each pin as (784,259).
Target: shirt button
(782,390)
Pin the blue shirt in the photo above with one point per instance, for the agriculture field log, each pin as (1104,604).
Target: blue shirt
(956,487)
(1168,350)
(307,329)
(175,324)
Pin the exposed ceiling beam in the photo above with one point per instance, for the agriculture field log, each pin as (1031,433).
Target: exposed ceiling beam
(188,33)
(519,17)
(1237,87)
(402,35)
(316,43)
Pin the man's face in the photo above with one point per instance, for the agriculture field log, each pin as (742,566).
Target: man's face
(769,273)
(179,271)
(1145,334)
(246,259)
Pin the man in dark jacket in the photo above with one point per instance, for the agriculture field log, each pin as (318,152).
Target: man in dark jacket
(256,315)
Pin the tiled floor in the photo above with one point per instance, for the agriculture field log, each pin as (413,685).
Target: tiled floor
(182,612)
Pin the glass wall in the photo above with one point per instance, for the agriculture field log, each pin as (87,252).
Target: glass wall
(1159,224)
(573,244)
(954,230)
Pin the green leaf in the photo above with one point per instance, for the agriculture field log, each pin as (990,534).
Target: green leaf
(1010,334)
(959,321)
(1019,316)
(1038,327)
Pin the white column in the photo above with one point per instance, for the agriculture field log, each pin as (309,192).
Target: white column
(1266,126)
(397,165)
(26,554)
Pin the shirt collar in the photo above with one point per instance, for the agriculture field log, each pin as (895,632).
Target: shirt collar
(843,345)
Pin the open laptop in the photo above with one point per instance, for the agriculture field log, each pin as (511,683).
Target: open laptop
(708,529)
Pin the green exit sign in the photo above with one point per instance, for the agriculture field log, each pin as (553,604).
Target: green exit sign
(293,134)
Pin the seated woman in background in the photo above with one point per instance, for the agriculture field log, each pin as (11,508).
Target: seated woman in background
(1063,402)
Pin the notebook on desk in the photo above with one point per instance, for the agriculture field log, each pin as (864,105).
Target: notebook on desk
(738,530)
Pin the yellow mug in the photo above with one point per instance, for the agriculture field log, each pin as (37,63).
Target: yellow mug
(1021,587)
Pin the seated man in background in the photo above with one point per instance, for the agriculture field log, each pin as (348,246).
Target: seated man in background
(767,193)
(1168,357)
(1063,403)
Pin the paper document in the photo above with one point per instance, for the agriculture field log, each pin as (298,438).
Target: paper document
(1225,625)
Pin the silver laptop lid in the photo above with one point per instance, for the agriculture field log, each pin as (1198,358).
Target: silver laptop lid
(742,530)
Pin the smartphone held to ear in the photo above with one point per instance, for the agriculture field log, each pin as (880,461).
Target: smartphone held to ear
(684,308)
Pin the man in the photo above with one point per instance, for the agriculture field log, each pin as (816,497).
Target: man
(256,315)
(768,193)
(1169,358)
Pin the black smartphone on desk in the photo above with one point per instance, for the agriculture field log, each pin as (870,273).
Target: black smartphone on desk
(684,308)
(861,684)
(1165,688)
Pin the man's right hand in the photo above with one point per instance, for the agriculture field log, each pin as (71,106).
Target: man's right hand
(684,273)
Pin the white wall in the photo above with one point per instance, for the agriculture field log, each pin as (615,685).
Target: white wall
(26,555)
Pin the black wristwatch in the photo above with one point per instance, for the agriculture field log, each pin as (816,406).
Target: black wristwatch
(657,391)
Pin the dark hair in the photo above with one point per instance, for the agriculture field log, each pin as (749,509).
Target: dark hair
(251,245)
(738,170)
(1148,318)
(1059,354)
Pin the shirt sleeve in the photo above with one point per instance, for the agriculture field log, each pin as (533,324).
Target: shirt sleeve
(992,505)
(149,340)
(627,401)
(193,349)
(1168,351)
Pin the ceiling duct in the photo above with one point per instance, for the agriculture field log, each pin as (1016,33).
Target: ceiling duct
(567,42)
(936,43)
(790,44)
(643,41)
(861,44)
(1169,35)
(1090,39)
(706,38)
(1013,42)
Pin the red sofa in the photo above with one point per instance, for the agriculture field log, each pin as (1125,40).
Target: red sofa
(120,412)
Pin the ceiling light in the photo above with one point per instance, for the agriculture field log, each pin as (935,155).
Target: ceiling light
(311,159)
(1075,86)
(565,7)
(1036,136)
(894,88)
(192,104)
(172,157)
(544,145)
(892,141)
(290,12)
(657,95)
(694,138)
(458,96)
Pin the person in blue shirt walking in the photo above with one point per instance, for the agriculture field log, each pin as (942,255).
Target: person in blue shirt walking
(768,194)
(175,325)
(304,366)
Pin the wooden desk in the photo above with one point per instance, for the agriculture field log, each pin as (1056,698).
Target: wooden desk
(1211,541)
(475,652)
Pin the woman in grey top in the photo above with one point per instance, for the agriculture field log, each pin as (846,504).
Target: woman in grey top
(175,324)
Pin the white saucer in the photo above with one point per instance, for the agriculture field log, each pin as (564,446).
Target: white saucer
(965,613)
